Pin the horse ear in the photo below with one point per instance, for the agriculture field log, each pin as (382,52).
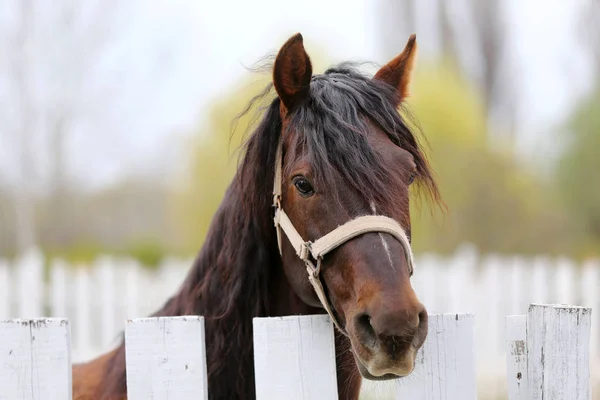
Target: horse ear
(398,72)
(292,72)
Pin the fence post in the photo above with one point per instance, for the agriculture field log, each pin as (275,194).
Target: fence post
(35,359)
(445,365)
(166,358)
(82,341)
(131,296)
(519,278)
(29,270)
(425,282)
(590,280)
(516,357)
(564,280)
(540,283)
(558,346)
(105,269)
(58,289)
(294,358)
(5,292)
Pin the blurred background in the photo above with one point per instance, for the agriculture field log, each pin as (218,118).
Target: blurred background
(116,116)
(116,119)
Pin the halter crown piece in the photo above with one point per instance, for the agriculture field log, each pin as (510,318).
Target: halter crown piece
(335,238)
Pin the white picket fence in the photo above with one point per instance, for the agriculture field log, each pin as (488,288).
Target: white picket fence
(547,358)
(97,298)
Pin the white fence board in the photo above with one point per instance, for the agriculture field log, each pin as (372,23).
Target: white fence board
(539,284)
(590,282)
(132,294)
(487,334)
(83,315)
(5,292)
(294,358)
(424,282)
(547,357)
(564,282)
(30,289)
(107,299)
(491,286)
(558,340)
(445,366)
(166,358)
(516,357)
(35,361)
(58,290)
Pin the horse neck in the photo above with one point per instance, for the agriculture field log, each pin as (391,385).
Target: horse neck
(236,277)
(234,263)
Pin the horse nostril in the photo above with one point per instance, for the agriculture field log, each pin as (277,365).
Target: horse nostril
(365,330)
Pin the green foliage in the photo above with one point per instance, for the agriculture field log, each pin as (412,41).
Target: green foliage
(148,252)
(76,253)
(493,202)
(577,172)
(447,108)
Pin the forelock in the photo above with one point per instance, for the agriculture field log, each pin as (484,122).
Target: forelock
(332,126)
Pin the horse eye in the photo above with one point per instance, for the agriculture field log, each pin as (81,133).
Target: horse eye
(303,186)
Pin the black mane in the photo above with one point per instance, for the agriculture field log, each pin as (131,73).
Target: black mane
(332,127)
(335,129)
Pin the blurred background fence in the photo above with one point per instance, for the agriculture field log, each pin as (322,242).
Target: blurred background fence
(98,299)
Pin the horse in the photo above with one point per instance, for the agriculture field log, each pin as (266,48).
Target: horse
(322,187)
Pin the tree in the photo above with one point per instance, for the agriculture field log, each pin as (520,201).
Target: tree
(74,38)
(49,50)
(395,24)
(19,49)
(577,172)
(470,34)
(53,56)
(487,192)
(589,30)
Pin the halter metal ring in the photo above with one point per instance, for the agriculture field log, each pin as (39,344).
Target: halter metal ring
(313,270)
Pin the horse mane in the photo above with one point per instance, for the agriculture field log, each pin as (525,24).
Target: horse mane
(228,283)
(334,126)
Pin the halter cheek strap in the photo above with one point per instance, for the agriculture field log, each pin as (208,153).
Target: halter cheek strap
(325,244)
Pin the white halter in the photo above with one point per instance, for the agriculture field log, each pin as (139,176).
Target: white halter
(332,240)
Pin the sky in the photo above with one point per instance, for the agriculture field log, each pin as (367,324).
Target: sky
(152,87)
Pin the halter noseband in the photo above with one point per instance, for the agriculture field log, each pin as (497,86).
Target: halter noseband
(335,238)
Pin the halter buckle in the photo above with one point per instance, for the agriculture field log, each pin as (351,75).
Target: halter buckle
(277,201)
(304,252)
